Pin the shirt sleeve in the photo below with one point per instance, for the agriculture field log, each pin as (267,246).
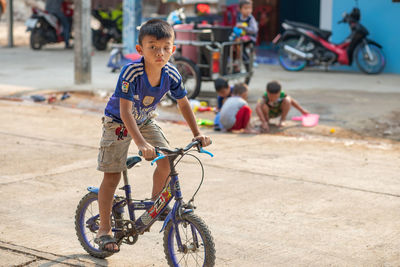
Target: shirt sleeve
(124,87)
(177,89)
(253,26)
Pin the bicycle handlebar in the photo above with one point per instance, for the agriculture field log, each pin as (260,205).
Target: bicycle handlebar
(177,151)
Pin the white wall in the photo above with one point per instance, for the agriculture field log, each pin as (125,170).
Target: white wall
(325,14)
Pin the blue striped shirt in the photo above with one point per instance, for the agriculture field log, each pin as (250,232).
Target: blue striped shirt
(133,85)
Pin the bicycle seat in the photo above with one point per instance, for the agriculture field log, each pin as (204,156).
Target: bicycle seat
(131,161)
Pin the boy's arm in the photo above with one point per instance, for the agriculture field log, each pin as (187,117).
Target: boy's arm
(253,26)
(130,123)
(264,120)
(298,107)
(188,114)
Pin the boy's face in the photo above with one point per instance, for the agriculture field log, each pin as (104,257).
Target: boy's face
(244,95)
(224,92)
(156,52)
(273,97)
(246,10)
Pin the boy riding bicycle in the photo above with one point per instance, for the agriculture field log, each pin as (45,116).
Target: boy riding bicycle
(129,115)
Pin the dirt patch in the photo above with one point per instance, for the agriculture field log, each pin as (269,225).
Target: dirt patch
(348,116)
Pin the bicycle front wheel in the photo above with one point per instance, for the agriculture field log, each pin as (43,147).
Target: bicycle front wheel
(198,247)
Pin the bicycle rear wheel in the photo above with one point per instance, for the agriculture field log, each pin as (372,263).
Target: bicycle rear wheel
(87,224)
(198,245)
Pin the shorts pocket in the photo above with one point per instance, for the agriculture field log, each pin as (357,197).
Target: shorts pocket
(104,145)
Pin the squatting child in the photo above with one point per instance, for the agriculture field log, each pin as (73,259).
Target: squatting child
(236,113)
(275,103)
(129,115)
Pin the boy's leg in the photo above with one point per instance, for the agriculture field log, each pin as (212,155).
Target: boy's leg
(285,106)
(242,118)
(105,199)
(153,134)
(160,177)
(111,161)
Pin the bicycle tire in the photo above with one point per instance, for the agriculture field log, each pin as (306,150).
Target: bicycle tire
(82,230)
(206,242)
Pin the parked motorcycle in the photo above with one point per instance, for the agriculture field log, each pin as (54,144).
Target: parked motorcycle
(110,28)
(302,44)
(45,27)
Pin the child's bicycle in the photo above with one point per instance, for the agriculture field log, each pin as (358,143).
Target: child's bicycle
(187,240)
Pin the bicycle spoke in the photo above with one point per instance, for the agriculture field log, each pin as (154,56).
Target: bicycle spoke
(183,256)
(195,259)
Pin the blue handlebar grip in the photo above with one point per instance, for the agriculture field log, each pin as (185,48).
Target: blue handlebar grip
(205,151)
(159,157)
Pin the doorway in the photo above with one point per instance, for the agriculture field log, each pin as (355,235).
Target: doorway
(271,13)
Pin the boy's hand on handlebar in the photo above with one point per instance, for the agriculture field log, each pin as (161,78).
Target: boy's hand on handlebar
(148,151)
(205,140)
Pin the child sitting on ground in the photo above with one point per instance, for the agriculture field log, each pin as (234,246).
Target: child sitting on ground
(236,113)
(223,92)
(275,103)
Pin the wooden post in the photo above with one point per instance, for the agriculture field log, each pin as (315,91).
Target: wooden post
(82,42)
(10,20)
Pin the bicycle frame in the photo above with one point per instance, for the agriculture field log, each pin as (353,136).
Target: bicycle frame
(153,208)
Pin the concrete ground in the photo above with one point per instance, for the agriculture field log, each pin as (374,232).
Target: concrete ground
(299,197)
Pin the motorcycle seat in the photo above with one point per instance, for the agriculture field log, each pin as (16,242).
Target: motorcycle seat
(321,33)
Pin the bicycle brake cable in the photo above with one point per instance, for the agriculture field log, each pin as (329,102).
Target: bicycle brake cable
(176,163)
(202,174)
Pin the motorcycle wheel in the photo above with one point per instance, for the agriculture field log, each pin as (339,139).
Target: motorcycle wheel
(370,65)
(290,61)
(99,40)
(36,39)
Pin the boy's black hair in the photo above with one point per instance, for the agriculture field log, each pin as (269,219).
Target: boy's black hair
(239,88)
(220,83)
(158,28)
(273,87)
(244,2)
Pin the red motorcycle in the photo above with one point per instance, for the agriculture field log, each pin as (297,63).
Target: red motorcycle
(45,27)
(304,45)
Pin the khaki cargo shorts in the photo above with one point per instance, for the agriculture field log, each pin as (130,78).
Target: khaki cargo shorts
(115,142)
